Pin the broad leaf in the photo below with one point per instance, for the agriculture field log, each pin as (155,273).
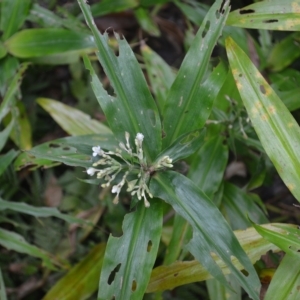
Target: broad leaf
(285,284)
(72,120)
(45,41)
(268,14)
(129,259)
(276,128)
(211,233)
(4,134)
(190,99)
(82,280)
(184,272)
(134,109)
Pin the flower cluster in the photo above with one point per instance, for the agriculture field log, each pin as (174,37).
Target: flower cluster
(109,166)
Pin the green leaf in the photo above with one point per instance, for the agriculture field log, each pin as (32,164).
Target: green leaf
(181,234)
(13,241)
(208,165)
(160,74)
(21,132)
(237,205)
(211,233)
(46,41)
(191,97)
(146,21)
(107,6)
(268,14)
(286,281)
(72,120)
(185,145)
(47,18)
(3,51)
(13,88)
(72,151)
(9,66)
(284,53)
(6,159)
(82,280)
(129,259)
(4,134)
(276,128)
(2,288)
(217,291)
(13,15)
(184,272)
(39,212)
(134,109)
(287,240)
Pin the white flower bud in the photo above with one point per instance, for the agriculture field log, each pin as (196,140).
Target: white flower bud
(91,171)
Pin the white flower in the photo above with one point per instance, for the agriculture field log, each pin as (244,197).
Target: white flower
(91,171)
(116,189)
(140,137)
(97,151)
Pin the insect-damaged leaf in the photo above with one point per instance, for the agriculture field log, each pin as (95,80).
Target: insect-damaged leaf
(211,233)
(276,128)
(133,109)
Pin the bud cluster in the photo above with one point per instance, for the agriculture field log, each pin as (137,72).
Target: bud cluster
(109,166)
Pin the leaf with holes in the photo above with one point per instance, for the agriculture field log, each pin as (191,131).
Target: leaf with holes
(133,109)
(72,151)
(129,259)
(284,236)
(191,97)
(184,272)
(276,128)
(268,14)
(211,233)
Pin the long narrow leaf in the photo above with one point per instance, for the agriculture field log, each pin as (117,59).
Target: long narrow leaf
(72,151)
(276,128)
(211,233)
(129,259)
(41,212)
(45,41)
(189,102)
(13,15)
(13,241)
(286,281)
(184,272)
(11,91)
(134,109)
(82,280)
(2,288)
(268,14)
(72,120)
